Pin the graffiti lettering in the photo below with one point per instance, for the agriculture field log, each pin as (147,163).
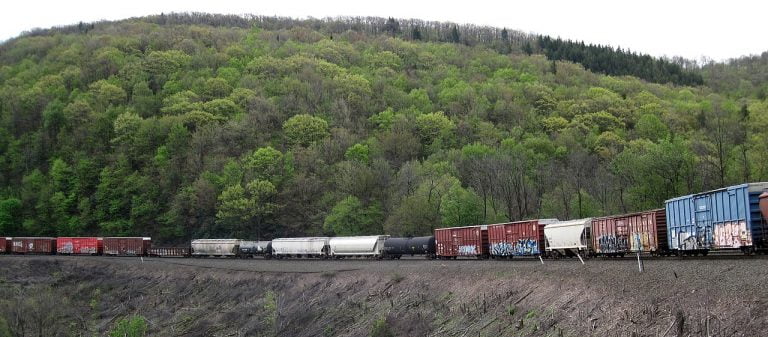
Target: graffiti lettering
(732,235)
(612,244)
(519,248)
(468,250)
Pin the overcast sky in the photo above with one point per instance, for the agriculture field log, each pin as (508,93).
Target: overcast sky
(686,28)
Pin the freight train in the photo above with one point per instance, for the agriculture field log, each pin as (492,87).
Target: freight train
(731,218)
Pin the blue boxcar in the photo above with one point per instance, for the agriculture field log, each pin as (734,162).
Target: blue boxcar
(726,218)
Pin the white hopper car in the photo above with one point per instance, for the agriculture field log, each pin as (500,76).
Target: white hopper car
(358,246)
(300,247)
(568,238)
(216,247)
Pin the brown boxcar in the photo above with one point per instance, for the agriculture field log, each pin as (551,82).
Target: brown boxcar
(644,232)
(79,246)
(764,205)
(520,238)
(169,251)
(471,241)
(136,246)
(5,245)
(33,245)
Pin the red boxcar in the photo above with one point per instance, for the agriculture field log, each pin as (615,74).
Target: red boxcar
(33,245)
(85,246)
(170,252)
(520,238)
(5,245)
(137,246)
(644,232)
(462,241)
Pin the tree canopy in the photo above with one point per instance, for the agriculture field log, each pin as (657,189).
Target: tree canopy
(196,125)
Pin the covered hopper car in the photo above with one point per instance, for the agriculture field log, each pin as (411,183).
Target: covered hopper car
(357,246)
(216,247)
(300,247)
(569,238)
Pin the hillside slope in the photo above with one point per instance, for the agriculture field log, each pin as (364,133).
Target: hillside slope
(214,297)
(203,126)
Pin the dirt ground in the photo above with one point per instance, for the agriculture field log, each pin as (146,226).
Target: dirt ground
(410,297)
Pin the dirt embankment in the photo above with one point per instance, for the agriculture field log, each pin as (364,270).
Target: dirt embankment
(61,296)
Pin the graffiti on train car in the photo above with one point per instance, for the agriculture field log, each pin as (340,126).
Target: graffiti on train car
(502,249)
(519,248)
(732,234)
(640,242)
(468,250)
(612,243)
(688,241)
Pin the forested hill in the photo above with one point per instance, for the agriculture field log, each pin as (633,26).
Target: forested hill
(180,126)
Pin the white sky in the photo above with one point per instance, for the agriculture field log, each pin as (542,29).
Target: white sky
(670,27)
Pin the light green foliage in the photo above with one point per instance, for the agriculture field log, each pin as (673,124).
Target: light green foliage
(266,163)
(434,126)
(358,152)
(350,217)
(651,127)
(216,88)
(271,312)
(242,209)
(181,102)
(132,326)
(554,124)
(221,107)
(305,129)
(380,328)
(165,62)
(5,330)
(601,120)
(126,126)
(107,93)
(460,207)
(419,99)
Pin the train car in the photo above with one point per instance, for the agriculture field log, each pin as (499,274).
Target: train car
(357,246)
(216,247)
(395,248)
(519,238)
(569,238)
(640,232)
(301,247)
(79,246)
(723,219)
(470,241)
(256,248)
(170,251)
(764,205)
(5,245)
(33,245)
(127,246)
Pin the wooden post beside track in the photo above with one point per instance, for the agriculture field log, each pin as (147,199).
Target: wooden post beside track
(540,259)
(579,255)
(639,263)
